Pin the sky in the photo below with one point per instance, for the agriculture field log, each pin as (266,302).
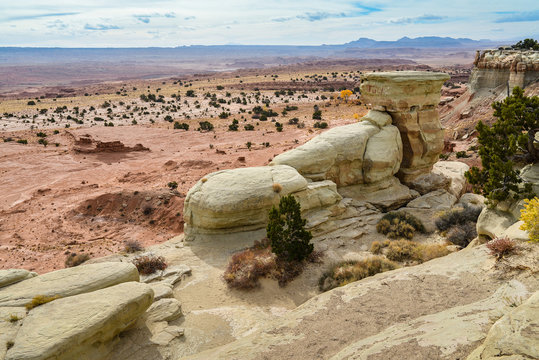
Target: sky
(170,23)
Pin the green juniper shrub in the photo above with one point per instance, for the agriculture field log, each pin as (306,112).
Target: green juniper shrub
(290,241)
(511,138)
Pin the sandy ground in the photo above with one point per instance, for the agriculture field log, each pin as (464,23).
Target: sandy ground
(56,201)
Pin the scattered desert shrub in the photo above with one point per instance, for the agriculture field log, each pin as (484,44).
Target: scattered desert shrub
(458,215)
(376,247)
(399,224)
(13,318)
(277,187)
(530,217)
(148,264)
(286,231)
(75,259)
(132,246)
(461,235)
(246,267)
(205,126)
(40,300)
(500,247)
(172,185)
(346,272)
(406,250)
(9,344)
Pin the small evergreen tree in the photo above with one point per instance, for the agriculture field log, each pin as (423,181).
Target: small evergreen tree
(512,134)
(286,231)
(527,44)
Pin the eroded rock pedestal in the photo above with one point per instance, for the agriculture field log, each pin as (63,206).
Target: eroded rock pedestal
(511,68)
(400,136)
(411,98)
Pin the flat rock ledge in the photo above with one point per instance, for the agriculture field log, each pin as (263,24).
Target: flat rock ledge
(88,306)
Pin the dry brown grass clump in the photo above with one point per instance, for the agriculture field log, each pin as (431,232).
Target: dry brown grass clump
(501,247)
(148,264)
(40,300)
(75,259)
(346,272)
(246,267)
(406,250)
(277,187)
(132,246)
(399,224)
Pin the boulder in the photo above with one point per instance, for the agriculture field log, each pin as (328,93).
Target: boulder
(436,200)
(514,336)
(69,282)
(472,199)
(383,155)
(378,118)
(161,291)
(427,183)
(164,310)
(12,276)
(80,327)
(170,276)
(240,199)
(454,170)
(493,222)
(530,173)
(335,155)
(514,232)
(388,194)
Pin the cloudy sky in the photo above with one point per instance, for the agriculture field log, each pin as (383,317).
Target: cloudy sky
(135,23)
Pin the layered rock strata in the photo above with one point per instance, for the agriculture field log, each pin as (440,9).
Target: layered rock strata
(400,136)
(410,97)
(493,68)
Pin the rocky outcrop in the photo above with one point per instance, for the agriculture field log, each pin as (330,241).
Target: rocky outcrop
(401,135)
(68,282)
(511,68)
(82,326)
(12,276)
(365,152)
(410,97)
(87,145)
(240,199)
(441,309)
(514,336)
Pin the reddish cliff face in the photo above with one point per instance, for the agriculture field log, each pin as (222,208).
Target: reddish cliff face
(511,68)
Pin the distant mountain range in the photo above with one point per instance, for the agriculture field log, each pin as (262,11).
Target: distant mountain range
(421,42)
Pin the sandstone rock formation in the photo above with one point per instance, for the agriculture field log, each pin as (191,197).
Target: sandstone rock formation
(86,144)
(80,327)
(68,282)
(401,135)
(514,336)
(410,98)
(239,199)
(510,68)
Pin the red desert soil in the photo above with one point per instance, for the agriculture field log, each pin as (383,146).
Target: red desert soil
(56,201)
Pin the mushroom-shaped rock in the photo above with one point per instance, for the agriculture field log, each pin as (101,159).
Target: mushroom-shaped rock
(411,98)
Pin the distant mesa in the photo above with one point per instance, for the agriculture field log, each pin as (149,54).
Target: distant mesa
(86,144)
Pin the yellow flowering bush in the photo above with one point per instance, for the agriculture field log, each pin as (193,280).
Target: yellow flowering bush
(530,216)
